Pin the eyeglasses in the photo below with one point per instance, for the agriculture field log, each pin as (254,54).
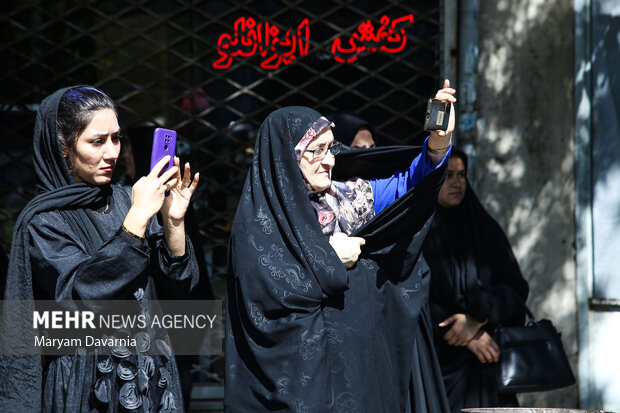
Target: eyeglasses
(320,153)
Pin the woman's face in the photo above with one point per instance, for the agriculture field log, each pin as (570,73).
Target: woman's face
(318,172)
(363,139)
(96,149)
(452,191)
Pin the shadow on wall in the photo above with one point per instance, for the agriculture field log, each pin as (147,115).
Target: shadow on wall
(524,145)
(605,148)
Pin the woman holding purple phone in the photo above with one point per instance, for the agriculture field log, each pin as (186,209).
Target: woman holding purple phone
(83,238)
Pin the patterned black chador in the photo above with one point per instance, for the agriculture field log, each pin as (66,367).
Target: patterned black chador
(306,334)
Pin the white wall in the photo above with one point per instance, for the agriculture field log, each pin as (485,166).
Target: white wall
(599,331)
(525,155)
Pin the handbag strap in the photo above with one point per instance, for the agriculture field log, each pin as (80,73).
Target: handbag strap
(529,314)
(527,310)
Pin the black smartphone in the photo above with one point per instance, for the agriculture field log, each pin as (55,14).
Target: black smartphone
(437,115)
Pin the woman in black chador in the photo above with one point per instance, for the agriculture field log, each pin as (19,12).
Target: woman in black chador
(476,284)
(326,289)
(83,238)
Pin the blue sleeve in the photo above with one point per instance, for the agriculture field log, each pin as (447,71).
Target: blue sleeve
(387,190)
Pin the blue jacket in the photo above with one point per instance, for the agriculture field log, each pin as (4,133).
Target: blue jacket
(387,190)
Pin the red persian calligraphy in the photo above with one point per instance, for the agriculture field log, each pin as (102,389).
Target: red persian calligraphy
(264,39)
(390,38)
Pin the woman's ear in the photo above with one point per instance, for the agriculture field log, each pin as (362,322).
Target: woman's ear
(66,154)
(64,150)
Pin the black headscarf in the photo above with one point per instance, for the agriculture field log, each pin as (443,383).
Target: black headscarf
(347,126)
(471,259)
(20,382)
(303,332)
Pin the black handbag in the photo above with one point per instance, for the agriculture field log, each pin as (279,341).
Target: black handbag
(532,358)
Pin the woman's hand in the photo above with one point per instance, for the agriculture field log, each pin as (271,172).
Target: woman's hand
(175,205)
(446,95)
(439,141)
(147,196)
(347,248)
(484,347)
(464,328)
(174,209)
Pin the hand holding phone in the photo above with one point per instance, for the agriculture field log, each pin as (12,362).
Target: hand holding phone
(437,115)
(164,143)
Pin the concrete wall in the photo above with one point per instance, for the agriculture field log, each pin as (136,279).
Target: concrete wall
(597,24)
(524,154)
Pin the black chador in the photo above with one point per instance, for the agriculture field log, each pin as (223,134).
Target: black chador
(68,244)
(474,271)
(304,334)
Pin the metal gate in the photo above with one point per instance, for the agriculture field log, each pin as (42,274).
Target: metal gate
(157,58)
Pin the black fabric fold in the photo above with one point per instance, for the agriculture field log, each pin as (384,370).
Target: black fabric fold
(373,163)
(347,126)
(303,332)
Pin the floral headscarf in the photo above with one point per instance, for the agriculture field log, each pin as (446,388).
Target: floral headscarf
(312,132)
(344,206)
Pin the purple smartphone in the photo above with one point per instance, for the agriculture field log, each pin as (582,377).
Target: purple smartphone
(164,143)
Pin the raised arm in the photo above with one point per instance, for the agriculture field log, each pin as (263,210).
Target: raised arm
(435,152)
(439,142)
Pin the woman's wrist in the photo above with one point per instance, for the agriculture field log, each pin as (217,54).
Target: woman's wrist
(171,223)
(175,241)
(438,151)
(136,236)
(479,324)
(438,143)
(135,224)
(437,147)
(174,235)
